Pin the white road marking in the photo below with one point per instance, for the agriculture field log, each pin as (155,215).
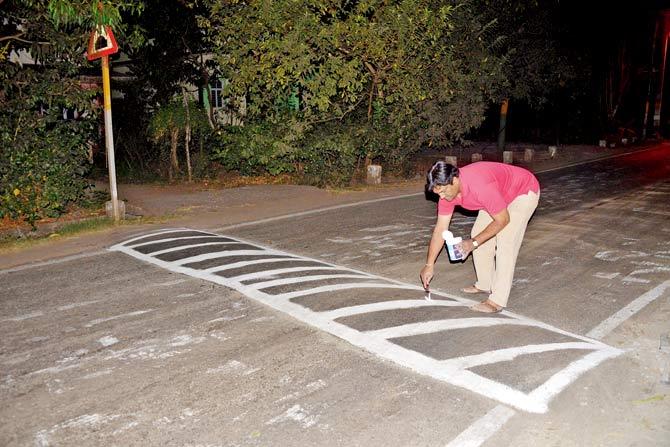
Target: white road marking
(333,288)
(387,305)
(20,268)
(505,355)
(315,211)
(628,311)
(480,431)
(171,239)
(427,327)
(376,342)
(486,426)
(75,305)
(602,275)
(234,265)
(271,273)
(291,215)
(28,316)
(222,254)
(184,247)
(301,279)
(156,233)
(116,317)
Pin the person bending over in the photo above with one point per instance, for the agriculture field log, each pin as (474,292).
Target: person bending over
(506,197)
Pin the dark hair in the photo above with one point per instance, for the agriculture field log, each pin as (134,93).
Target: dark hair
(441,173)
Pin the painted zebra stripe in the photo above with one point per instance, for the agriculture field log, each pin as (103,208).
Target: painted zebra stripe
(453,371)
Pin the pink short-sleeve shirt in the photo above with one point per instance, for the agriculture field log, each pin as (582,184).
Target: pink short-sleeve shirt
(490,186)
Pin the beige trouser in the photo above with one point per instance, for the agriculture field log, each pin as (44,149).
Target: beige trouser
(496,258)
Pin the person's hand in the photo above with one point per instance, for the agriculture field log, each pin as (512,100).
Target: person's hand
(426,275)
(466,247)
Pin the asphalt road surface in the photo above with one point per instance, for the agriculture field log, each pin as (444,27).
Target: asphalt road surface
(313,330)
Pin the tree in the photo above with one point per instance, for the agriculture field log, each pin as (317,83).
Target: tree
(43,156)
(171,59)
(398,75)
(535,65)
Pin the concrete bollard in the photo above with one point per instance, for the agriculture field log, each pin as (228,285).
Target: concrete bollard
(528,155)
(477,157)
(109,209)
(374,176)
(508,157)
(451,159)
(553,150)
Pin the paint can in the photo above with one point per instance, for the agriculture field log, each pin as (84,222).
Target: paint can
(450,241)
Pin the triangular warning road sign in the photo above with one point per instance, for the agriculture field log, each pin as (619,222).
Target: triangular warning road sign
(101,43)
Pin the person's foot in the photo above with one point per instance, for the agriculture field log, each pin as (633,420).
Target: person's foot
(487,307)
(473,290)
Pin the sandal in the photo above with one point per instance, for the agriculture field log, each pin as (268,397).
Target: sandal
(472,290)
(487,307)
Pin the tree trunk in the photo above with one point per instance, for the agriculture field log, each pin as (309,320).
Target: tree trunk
(187,134)
(503,124)
(174,162)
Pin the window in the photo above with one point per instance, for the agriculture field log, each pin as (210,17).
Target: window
(216,87)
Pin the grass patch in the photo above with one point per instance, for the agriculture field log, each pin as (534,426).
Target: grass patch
(86,225)
(70,229)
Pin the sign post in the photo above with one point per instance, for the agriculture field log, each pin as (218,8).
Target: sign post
(100,45)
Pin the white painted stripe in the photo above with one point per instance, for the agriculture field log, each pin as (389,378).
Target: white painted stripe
(300,279)
(223,254)
(156,233)
(53,261)
(505,355)
(270,273)
(413,360)
(387,305)
(75,305)
(28,316)
(172,239)
(404,196)
(316,211)
(221,268)
(185,247)
(287,216)
(116,317)
(628,311)
(427,327)
(551,328)
(336,287)
(481,430)
(566,376)
(495,390)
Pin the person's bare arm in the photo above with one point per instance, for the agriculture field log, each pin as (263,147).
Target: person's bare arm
(434,249)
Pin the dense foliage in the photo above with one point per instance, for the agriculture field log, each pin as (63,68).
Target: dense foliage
(392,76)
(323,87)
(44,157)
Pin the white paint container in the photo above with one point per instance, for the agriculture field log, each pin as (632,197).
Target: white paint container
(451,241)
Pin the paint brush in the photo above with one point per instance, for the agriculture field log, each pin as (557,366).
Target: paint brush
(427,297)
